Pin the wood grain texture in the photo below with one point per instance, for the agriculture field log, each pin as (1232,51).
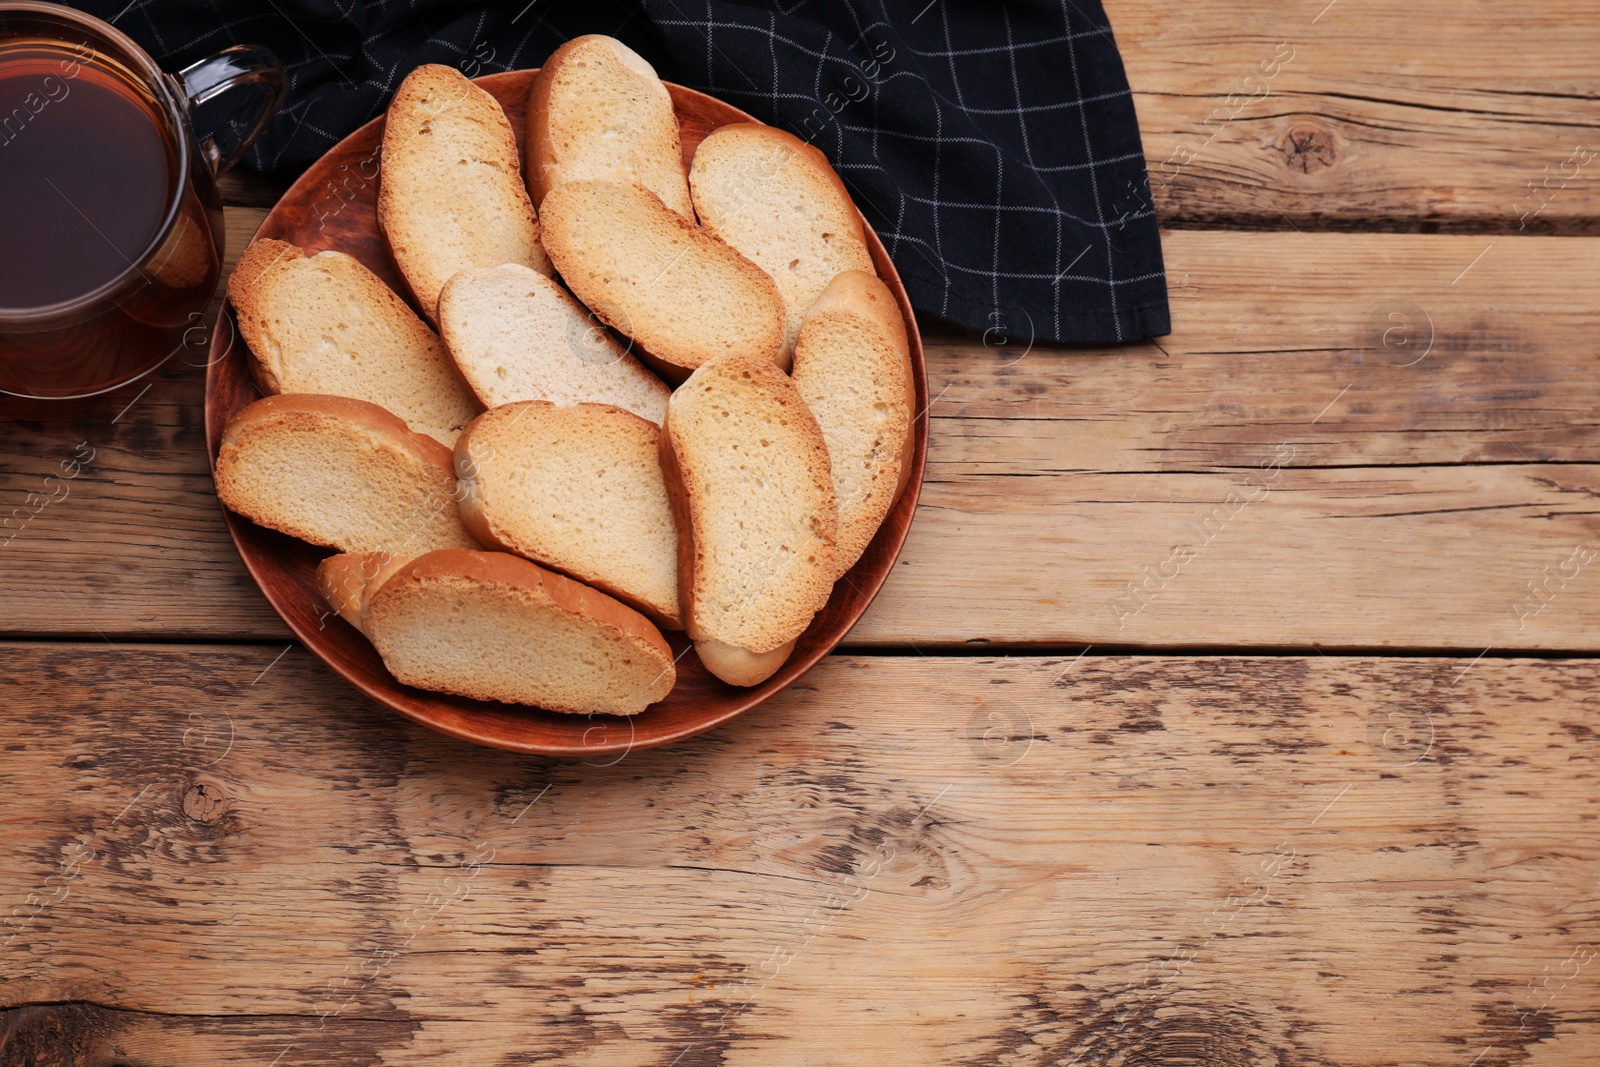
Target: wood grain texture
(245,188)
(1424,115)
(132,543)
(1397,116)
(1414,501)
(1297,861)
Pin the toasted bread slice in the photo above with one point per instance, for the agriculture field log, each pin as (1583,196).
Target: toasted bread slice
(341,473)
(325,324)
(579,489)
(597,112)
(853,366)
(775,199)
(450,191)
(517,335)
(747,470)
(681,294)
(186,257)
(493,626)
(740,666)
(348,580)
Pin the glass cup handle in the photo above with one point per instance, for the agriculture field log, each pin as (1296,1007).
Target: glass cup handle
(244,66)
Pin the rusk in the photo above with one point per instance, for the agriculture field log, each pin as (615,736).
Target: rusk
(777,201)
(325,324)
(450,190)
(747,469)
(347,580)
(577,488)
(852,363)
(516,335)
(493,626)
(597,112)
(680,293)
(341,473)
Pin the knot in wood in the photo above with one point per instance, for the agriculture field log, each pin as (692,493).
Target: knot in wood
(1143,1030)
(1307,148)
(65,1033)
(205,802)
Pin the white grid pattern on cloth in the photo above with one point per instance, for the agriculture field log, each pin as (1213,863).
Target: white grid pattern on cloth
(1076,247)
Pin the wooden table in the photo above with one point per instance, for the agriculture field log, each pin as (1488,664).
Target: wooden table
(1235,702)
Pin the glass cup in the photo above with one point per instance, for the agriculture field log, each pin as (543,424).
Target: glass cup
(111,234)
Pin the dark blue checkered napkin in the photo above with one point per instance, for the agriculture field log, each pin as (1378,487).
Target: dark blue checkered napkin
(991,143)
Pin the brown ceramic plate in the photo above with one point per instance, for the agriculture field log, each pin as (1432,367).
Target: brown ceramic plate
(332,207)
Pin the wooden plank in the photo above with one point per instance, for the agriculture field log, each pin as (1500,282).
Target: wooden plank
(1394,496)
(1361,350)
(135,542)
(1403,114)
(1295,860)
(1432,558)
(1360,113)
(244,188)
(1351,441)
